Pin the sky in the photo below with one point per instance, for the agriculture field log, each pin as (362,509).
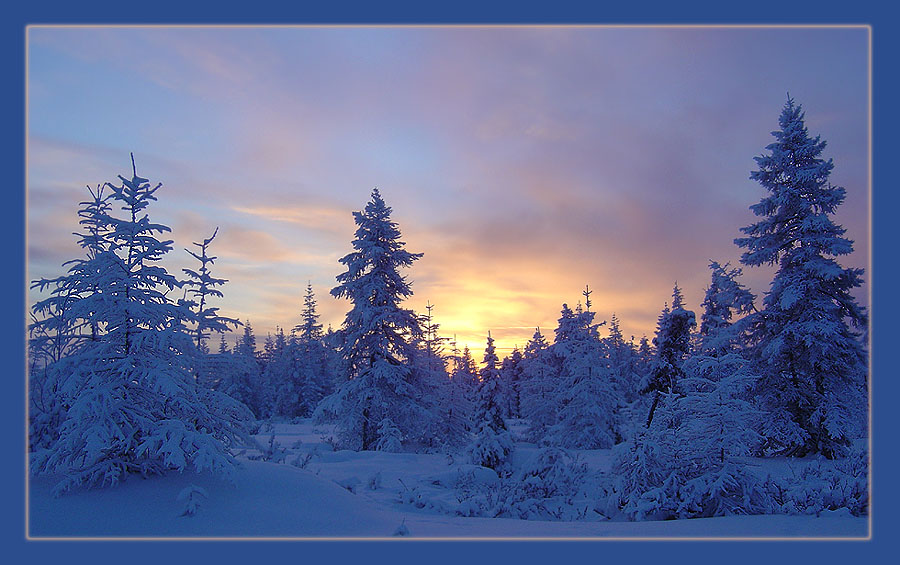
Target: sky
(524,162)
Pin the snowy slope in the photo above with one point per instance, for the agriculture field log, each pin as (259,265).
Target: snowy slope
(280,500)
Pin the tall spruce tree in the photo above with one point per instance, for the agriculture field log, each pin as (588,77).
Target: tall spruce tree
(377,333)
(806,341)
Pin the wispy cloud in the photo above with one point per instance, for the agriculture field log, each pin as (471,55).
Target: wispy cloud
(328,220)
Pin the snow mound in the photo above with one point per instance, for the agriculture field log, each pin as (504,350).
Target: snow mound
(265,500)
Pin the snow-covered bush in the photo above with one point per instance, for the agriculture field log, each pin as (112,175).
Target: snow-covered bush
(273,452)
(642,477)
(650,487)
(723,490)
(545,488)
(302,460)
(679,467)
(350,483)
(551,472)
(490,448)
(423,497)
(821,486)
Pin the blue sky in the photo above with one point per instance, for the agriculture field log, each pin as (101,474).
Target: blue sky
(524,162)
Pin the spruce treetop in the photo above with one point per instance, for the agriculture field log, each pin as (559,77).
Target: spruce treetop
(800,198)
(813,365)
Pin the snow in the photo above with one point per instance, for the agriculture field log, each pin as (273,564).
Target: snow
(268,499)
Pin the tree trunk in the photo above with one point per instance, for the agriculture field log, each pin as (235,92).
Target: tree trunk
(652,408)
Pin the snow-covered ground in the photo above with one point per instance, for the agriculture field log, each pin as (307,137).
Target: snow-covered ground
(367,495)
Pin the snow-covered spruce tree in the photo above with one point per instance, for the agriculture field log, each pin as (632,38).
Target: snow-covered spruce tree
(724,299)
(813,364)
(430,341)
(466,373)
(246,344)
(200,286)
(268,379)
(649,470)
(621,358)
(715,396)
(492,443)
(242,373)
(454,414)
(645,354)
(316,383)
(717,378)
(538,387)
(449,398)
(377,334)
(289,377)
(277,376)
(490,370)
(308,379)
(130,400)
(627,371)
(511,377)
(585,398)
(57,329)
(462,393)
(672,341)
(312,334)
(309,329)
